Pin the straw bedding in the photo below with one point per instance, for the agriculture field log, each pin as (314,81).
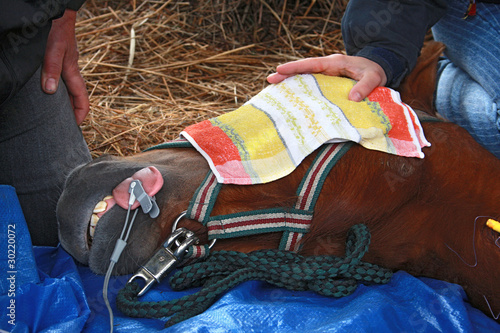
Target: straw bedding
(154,67)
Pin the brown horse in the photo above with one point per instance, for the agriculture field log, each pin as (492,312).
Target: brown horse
(426,217)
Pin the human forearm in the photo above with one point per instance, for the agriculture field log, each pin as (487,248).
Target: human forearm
(389,32)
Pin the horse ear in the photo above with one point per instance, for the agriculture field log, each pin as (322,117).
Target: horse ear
(152,182)
(417,90)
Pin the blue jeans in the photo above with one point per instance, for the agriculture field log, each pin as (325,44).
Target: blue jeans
(40,143)
(468,87)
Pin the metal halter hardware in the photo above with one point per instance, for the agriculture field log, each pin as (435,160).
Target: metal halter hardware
(168,257)
(165,259)
(174,228)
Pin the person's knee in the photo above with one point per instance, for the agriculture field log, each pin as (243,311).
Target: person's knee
(462,100)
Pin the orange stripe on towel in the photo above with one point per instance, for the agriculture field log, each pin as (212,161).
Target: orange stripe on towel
(210,139)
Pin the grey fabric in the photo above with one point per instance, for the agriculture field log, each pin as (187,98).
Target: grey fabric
(40,143)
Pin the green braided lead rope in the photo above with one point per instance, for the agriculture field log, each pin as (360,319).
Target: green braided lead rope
(223,270)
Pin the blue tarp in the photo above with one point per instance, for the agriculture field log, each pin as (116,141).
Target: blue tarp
(46,291)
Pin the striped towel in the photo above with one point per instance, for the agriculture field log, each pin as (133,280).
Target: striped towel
(268,137)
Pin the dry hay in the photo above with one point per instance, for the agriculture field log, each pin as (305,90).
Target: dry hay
(154,67)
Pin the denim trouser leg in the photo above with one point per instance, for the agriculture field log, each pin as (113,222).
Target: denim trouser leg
(468,89)
(40,143)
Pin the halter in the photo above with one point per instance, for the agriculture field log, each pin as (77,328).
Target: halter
(293,222)
(327,275)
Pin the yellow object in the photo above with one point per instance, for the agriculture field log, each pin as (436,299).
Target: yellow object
(495,225)
(271,134)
